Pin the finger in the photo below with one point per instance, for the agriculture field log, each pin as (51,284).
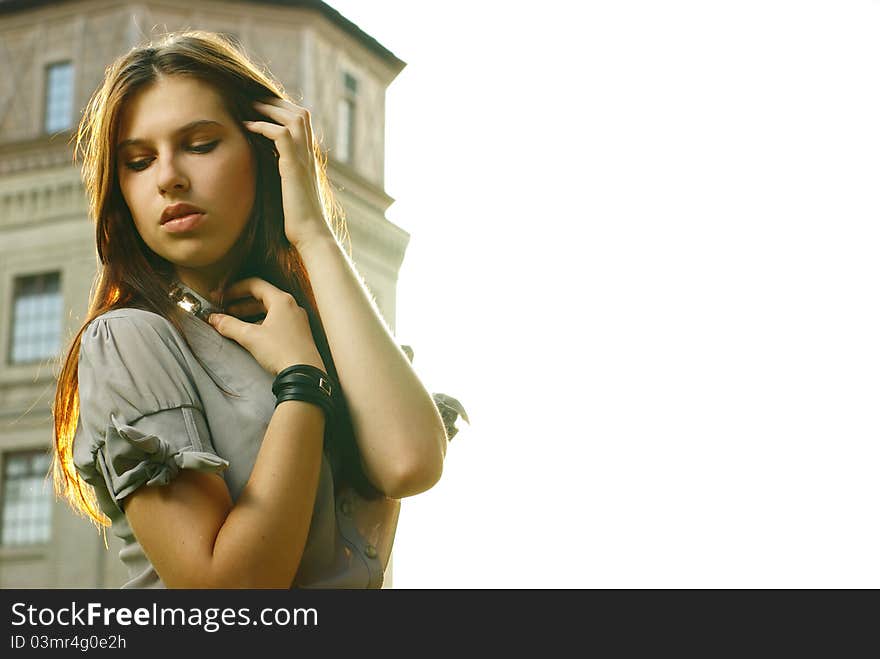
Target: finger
(285,138)
(267,128)
(281,107)
(254,287)
(298,120)
(230,327)
(278,108)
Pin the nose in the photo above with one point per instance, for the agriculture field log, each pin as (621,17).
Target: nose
(170,176)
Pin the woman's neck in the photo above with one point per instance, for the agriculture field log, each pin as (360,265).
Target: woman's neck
(207,279)
(201,284)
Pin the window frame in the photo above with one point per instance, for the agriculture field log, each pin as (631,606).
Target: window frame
(44,102)
(41,543)
(17,278)
(348,96)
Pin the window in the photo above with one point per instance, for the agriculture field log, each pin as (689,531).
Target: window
(59,97)
(351,85)
(27,498)
(36,318)
(347,108)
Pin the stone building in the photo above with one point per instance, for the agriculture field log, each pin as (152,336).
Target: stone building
(52,56)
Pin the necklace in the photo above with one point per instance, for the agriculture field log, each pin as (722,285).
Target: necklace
(191,302)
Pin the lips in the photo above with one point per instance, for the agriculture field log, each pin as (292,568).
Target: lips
(178,210)
(185,223)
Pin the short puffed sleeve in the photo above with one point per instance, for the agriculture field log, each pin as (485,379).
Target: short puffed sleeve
(140,419)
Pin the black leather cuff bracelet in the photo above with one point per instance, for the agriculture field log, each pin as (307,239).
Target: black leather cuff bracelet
(307,394)
(304,373)
(303,368)
(302,380)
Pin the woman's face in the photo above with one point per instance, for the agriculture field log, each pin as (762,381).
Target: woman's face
(209,165)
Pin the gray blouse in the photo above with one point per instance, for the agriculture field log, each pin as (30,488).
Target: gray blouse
(148,409)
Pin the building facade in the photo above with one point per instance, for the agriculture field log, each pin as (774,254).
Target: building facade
(53,55)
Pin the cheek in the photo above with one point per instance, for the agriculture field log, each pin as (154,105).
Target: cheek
(236,183)
(130,195)
(142,226)
(131,186)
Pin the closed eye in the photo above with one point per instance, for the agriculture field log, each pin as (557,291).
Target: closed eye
(140,165)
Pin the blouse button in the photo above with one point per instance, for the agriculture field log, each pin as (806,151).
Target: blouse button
(370,551)
(346,507)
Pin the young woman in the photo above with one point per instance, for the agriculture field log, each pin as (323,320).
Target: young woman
(268,444)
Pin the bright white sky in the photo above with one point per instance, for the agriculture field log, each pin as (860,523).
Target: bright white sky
(644,256)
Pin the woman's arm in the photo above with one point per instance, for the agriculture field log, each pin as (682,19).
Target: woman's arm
(398,429)
(196,538)
(397,425)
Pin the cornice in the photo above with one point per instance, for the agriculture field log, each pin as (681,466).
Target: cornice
(36,153)
(10,7)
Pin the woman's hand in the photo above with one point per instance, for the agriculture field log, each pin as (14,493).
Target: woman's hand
(282,339)
(304,217)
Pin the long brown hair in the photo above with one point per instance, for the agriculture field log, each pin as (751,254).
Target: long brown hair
(130,274)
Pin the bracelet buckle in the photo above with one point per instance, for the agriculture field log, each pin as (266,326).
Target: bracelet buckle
(324,386)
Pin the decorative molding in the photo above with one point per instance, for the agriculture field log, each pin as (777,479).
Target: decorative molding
(45,195)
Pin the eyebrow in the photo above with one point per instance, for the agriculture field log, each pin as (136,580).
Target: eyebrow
(182,129)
